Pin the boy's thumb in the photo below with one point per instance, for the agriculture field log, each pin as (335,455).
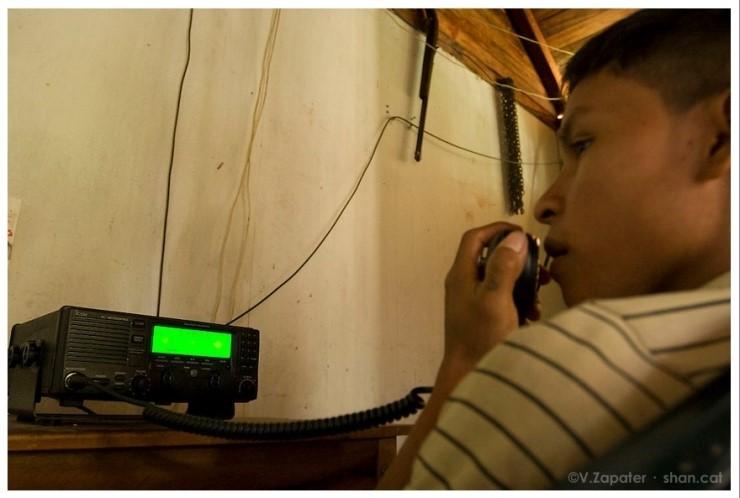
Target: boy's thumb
(506,263)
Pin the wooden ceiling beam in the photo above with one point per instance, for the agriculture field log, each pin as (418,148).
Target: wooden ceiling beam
(570,29)
(524,24)
(481,40)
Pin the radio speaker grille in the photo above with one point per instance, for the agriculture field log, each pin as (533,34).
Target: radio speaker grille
(96,340)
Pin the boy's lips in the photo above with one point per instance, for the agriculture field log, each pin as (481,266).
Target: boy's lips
(554,268)
(554,249)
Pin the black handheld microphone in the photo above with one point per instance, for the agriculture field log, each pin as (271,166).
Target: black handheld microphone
(527,285)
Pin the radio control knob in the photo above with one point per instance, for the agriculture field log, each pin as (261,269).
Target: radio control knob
(140,385)
(214,382)
(168,378)
(248,388)
(72,383)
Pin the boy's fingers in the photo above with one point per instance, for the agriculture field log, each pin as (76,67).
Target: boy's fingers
(506,263)
(471,246)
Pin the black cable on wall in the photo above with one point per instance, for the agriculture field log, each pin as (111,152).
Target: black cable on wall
(172,158)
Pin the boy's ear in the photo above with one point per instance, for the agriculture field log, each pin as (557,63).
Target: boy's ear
(717,154)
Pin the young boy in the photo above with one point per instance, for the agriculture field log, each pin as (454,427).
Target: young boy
(640,235)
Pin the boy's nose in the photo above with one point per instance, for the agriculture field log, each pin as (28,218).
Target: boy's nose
(547,207)
(552,203)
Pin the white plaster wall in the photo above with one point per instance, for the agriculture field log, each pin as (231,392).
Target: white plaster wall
(92,98)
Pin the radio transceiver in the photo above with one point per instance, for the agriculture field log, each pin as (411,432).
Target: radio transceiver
(161,360)
(78,354)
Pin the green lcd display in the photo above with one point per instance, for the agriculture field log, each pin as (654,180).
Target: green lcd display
(190,342)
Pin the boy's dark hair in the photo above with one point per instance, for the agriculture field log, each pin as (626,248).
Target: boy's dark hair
(684,54)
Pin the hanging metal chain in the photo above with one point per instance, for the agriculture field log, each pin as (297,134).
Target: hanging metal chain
(512,151)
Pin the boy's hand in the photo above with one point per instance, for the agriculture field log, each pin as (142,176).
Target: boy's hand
(479,315)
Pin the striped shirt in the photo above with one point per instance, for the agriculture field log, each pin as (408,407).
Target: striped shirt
(559,393)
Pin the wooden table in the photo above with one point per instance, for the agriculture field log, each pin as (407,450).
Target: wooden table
(153,457)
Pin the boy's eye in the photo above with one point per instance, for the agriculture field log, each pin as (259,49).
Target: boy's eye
(579,146)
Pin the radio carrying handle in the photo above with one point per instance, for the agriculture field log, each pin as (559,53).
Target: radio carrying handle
(24,375)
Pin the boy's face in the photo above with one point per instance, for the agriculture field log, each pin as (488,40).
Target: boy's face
(624,213)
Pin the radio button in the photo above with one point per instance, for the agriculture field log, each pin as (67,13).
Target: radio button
(214,382)
(140,386)
(168,378)
(248,388)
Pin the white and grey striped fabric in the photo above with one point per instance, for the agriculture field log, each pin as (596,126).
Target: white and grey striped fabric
(558,393)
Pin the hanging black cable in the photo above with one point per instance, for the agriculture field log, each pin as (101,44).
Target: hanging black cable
(172,159)
(352,194)
(349,199)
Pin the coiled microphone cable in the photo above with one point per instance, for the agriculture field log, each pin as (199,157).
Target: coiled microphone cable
(300,429)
